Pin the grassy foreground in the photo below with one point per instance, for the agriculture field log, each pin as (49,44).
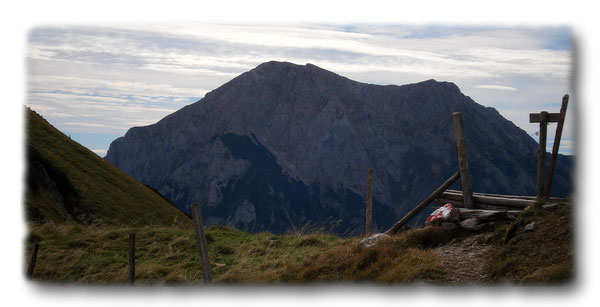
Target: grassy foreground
(95,254)
(89,254)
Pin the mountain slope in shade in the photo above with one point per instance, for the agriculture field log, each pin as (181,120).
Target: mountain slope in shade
(66,182)
(285,145)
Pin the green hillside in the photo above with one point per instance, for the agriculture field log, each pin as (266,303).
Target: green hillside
(67,182)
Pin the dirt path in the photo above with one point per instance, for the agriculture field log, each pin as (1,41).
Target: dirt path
(465,259)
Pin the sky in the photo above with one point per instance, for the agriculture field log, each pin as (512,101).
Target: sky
(94,82)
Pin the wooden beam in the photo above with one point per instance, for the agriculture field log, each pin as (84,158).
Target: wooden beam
(458,204)
(463,164)
(202,246)
(542,154)
(492,200)
(369,202)
(529,197)
(556,145)
(424,203)
(454,202)
(536,118)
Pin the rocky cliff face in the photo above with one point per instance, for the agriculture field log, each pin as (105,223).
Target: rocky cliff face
(285,145)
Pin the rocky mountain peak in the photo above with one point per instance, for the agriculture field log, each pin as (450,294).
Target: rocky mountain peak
(285,145)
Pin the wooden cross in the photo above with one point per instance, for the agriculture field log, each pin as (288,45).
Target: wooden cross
(544,118)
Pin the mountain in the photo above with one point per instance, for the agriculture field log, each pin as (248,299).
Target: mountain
(283,146)
(66,182)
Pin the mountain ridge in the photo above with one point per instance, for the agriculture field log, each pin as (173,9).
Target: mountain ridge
(323,131)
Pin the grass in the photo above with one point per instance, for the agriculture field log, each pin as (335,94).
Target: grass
(91,254)
(99,190)
(541,256)
(97,254)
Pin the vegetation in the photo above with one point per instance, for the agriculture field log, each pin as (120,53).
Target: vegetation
(544,255)
(168,254)
(69,183)
(99,255)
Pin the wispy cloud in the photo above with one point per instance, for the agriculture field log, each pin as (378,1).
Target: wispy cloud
(104,79)
(496,87)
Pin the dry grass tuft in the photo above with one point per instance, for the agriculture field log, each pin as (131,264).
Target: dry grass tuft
(543,255)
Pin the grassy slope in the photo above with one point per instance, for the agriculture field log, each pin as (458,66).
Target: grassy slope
(98,255)
(110,195)
(542,256)
(91,254)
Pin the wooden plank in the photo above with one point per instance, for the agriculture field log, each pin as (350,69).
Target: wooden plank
(492,195)
(369,202)
(536,118)
(132,258)
(202,246)
(458,204)
(529,197)
(32,260)
(454,202)
(424,203)
(555,146)
(542,154)
(463,164)
(492,200)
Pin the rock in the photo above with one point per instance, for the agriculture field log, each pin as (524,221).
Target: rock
(448,225)
(372,240)
(531,226)
(446,213)
(486,215)
(470,224)
(295,141)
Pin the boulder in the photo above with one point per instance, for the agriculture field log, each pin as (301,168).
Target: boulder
(446,213)
(372,240)
(470,224)
(531,226)
(448,225)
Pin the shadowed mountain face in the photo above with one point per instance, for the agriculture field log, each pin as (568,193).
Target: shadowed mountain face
(285,145)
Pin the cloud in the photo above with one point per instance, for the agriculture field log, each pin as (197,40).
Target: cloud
(496,87)
(107,78)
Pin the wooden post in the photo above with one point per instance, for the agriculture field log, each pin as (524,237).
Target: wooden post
(424,203)
(369,202)
(542,154)
(32,261)
(202,246)
(463,164)
(556,145)
(132,258)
